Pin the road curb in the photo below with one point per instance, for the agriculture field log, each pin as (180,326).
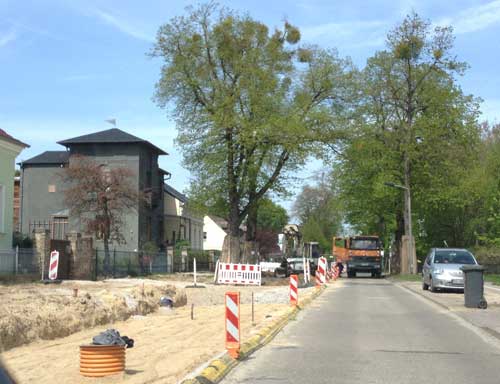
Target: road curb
(220,367)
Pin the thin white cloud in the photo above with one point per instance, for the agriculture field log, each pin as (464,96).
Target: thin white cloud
(356,33)
(33,29)
(474,18)
(6,38)
(122,25)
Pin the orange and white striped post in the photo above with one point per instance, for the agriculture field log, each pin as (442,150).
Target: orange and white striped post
(322,269)
(294,290)
(233,323)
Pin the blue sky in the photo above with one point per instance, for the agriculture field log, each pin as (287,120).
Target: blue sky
(66,66)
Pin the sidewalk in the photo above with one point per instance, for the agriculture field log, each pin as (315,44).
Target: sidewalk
(487,319)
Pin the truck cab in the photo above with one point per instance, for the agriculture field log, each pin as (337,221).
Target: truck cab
(360,254)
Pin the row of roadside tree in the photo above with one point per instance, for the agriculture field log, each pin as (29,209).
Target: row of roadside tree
(253,105)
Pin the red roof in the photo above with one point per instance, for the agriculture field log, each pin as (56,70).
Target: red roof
(11,139)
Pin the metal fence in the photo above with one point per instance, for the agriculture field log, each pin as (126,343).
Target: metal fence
(131,263)
(18,261)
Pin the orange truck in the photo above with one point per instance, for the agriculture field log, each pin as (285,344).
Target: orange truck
(359,254)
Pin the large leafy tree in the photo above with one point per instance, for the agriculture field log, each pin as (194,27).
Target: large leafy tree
(485,177)
(319,212)
(250,105)
(416,128)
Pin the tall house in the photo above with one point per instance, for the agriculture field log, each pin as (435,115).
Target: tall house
(43,199)
(9,150)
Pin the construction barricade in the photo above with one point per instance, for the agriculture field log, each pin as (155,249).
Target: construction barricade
(321,271)
(232,301)
(294,290)
(244,274)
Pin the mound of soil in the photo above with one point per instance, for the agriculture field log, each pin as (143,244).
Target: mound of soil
(49,313)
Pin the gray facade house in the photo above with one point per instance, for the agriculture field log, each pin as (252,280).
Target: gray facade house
(42,201)
(180,223)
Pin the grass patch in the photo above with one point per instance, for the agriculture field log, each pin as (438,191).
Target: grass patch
(406,277)
(493,278)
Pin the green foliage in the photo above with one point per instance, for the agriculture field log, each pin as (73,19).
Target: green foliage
(314,230)
(319,211)
(493,278)
(271,216)
(249,108)
(182,244)
(414,126)
(150,248)
(487,254)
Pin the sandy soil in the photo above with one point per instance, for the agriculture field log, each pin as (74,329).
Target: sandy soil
(36,311)
(169,344)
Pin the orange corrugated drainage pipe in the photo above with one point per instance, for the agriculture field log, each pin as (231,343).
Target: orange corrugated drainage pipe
(102,360)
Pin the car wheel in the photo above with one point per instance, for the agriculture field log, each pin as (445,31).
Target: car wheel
(425,286)
(432,287)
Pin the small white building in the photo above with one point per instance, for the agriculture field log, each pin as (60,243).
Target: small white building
(214,232)
(179,223)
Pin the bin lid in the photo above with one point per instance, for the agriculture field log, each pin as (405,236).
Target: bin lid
(470,268)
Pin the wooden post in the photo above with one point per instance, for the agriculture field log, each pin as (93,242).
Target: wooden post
(194,270)
(16,259)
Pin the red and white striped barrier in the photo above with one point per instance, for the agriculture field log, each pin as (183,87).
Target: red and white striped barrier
(321,272)
(53,265)
(233,323)
(294,290)
(317,280)
(245,274)
(336,271)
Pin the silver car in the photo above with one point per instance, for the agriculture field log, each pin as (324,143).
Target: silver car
(442,268)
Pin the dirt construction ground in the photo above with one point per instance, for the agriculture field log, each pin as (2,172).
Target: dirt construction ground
(168,344)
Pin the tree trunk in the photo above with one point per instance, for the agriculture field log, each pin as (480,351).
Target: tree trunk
(231,252)
(107,257)
(231,249)
(396,257)
(250,248)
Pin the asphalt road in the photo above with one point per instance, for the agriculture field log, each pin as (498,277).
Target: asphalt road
(370,331)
